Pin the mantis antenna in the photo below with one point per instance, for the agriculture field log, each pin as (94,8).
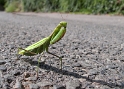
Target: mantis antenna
(62,16)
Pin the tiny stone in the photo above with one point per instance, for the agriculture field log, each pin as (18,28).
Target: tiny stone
(16,72)
(122,59)
(85,64)
(31,78)
(26,84)
(1,58)
(47,87)
(27,74)
(5,86)
(107,87)
(82,80)
(77,65)
(14,58)
(3,68)
(73,84)
(58,87)
(120,83)
(44,83)
(93,72)
(72,56)
(33,86)
(18,85)
(2,62)
(24,57)
(111,66)
(1,74)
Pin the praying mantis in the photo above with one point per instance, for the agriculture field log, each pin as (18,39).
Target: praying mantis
(43,45)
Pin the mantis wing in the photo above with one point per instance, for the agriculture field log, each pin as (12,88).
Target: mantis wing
(37,47)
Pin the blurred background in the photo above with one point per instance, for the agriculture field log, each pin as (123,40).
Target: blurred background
(65,6)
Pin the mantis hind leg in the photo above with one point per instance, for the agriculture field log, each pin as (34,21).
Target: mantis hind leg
(56,56)
(39,62)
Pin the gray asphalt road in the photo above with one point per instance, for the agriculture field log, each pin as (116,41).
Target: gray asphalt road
(92,51)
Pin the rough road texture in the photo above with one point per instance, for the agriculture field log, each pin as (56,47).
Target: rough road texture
(92,51)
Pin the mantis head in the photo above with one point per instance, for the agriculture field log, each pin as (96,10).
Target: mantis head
(63,24)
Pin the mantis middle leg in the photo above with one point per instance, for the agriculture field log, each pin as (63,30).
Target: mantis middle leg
(57,57)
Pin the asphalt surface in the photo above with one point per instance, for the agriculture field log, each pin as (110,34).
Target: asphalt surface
(92,51)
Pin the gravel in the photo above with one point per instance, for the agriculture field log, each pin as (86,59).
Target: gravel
(92,51)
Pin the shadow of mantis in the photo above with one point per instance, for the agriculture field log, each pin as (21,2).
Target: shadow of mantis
(76,75)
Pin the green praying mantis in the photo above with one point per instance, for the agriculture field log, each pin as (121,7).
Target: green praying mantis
(43,45)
